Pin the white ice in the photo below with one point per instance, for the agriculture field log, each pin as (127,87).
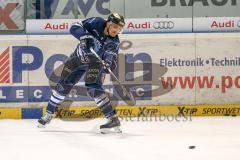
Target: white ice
(215,138)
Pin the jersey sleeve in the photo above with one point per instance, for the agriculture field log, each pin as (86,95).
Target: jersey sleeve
(82,28)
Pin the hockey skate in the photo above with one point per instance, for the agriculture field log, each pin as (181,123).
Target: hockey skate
(112,126)
(44,120)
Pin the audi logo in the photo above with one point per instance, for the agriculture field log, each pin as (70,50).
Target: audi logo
(163,25)
(238,24)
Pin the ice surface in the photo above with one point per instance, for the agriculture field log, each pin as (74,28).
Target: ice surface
(215,138)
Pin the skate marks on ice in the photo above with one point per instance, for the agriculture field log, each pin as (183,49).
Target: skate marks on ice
(89,129)
(214,138)
(96,132)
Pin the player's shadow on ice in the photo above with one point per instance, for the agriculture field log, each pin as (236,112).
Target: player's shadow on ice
(151,81)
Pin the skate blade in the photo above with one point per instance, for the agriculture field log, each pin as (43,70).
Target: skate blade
(41,126)
(110,130)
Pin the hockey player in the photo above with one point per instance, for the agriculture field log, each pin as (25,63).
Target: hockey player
(102,36)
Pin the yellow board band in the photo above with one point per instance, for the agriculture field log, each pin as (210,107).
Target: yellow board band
(126,111)
(10,113)
(136,111)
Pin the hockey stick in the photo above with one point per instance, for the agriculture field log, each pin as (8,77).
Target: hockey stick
(127,93)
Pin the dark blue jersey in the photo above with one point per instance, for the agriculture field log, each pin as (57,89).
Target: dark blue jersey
(106,46)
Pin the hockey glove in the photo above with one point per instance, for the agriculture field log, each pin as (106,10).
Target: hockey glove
(111,64)
(86,42)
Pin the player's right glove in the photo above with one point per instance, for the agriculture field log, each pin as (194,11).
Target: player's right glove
(86,42)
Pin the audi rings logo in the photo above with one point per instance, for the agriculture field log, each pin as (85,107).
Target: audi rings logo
(163,25)
(238,24)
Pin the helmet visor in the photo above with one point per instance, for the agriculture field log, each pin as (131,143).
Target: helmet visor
(116,27)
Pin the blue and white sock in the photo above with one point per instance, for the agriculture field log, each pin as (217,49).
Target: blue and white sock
(55,99)
(105,106)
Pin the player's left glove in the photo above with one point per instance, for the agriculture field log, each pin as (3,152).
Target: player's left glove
(110,62)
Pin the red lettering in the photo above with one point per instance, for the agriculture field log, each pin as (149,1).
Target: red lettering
(137,26)
(214,24)
(55,26)
(146,25)
(130,25)
(237,82)
(221,25)
(228,24)
(48,26)
(63,26)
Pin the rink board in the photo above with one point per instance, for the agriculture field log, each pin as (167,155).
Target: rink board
(10,113)
(160,69)
(124,111)
(169,74)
